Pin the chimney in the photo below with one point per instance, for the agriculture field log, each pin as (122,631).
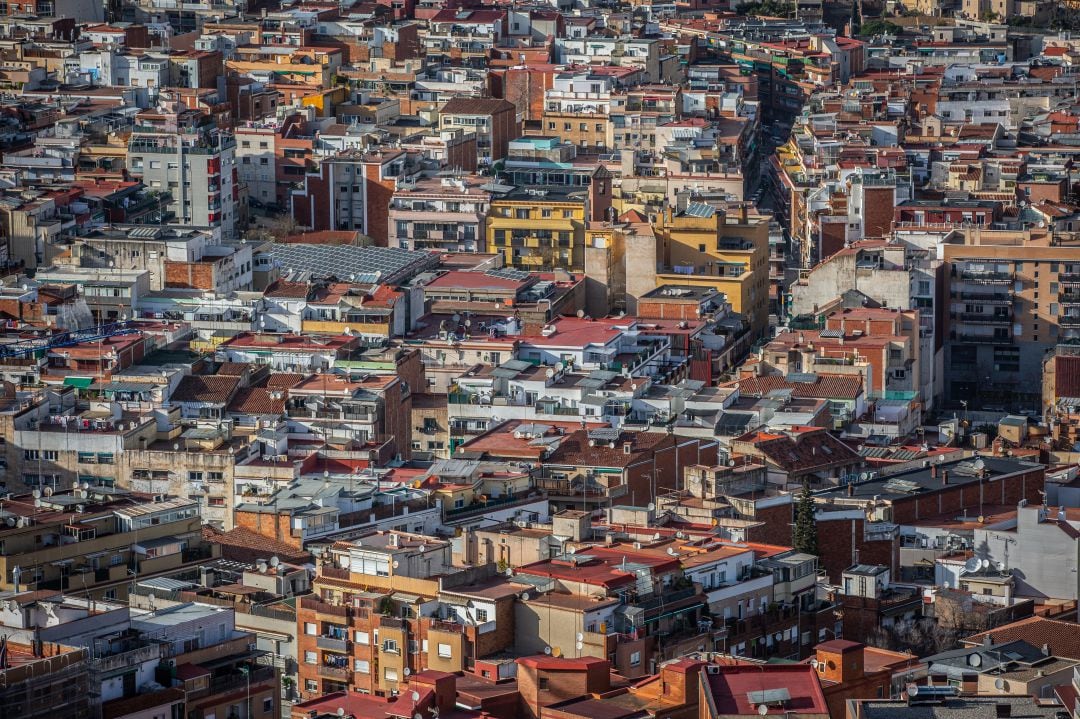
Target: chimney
(1046,650)
(742,214)
(944,478)
(933,471)
(626,447)
(851,489)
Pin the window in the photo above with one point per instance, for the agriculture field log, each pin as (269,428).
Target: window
(542,684)
(311,658)
(51,455)
(363,638)
(310,685)
(31,454)
(268,705)
(390,646)
(310,629)
(481,615)
(194,476)
(445,651)
(635,659)
(362,666)
(390,674)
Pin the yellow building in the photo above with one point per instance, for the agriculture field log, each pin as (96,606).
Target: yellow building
(539,229)
(705,247)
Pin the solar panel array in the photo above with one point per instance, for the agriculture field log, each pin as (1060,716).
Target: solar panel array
(346,262)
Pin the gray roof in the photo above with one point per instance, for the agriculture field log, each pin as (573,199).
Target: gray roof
(388,265)
(960,708)
(921,480)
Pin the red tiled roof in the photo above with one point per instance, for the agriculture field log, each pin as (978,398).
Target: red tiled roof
(256,400)
(244,545)
(575,451)
(802,448)
(215,389)
(827,386)
(1062,638)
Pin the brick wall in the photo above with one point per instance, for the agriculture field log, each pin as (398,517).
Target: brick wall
(273,525)
(189,275)
(972,496)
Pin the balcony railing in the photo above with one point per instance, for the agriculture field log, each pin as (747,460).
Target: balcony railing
(990,278)
(1069,278)
(985,318)
(987,298)
(333,672)
(334,644)
(440,625)
(984,339)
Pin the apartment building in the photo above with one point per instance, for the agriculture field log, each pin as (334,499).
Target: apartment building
(173,152)
(494,122)
(704,247)
(447,214)
(95,540)
(273,155)
(1011,298)
(391,604)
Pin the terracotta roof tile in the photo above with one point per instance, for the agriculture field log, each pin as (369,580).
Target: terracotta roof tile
(827,386)
(214,389)
(244,545)
(1062,638)
(257,400)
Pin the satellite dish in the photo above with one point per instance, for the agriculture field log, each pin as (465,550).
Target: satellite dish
(408,671)
(48,491)
(864,476)
(396,564)
(762,709)
(415,696)
(417,715)
(983,564)
(652,506)
(37,494)
(341,711)
(556,652)
(999,684)
(671,551)
(814,663)
(547,650)
(1000,566)
(580,646)
(274,561)
(525,596)
(509,571)
(580,313)
(979,465)
(580,636)
(975,660)
(972,565)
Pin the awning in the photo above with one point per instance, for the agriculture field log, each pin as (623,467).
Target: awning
(80,382)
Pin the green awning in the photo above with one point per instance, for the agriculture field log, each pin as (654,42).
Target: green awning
(80,382)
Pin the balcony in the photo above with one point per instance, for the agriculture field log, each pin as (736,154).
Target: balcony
(1069,321)
(987,298)
(340,673)
(439,625)
(1071,279)
(333,644)
(984,339)
(983,277)
(981,318)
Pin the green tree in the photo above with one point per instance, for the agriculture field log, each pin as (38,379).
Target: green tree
(879,27)
(806,539)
